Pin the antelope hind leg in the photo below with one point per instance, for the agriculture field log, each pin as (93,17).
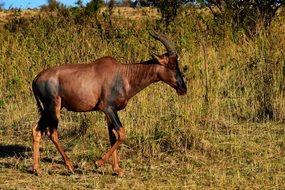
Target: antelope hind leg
(37,134)
(53,135)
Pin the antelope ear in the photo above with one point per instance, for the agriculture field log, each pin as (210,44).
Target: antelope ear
(161,59)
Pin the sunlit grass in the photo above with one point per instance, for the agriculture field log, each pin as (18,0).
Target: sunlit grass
(218,136)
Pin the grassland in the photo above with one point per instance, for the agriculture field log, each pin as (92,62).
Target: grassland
(226,133)
(244,156)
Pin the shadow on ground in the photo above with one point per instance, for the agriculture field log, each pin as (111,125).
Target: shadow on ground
(14,151)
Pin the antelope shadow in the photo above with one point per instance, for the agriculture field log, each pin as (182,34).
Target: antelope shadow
(14,150)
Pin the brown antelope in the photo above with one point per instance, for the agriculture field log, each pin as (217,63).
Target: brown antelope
(103,85)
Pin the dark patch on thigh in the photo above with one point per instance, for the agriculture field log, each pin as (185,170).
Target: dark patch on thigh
(47,90)
(47,120)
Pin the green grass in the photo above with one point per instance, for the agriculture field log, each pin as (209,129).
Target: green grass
(226,133)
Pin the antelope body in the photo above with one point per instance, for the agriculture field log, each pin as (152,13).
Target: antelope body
(104,85)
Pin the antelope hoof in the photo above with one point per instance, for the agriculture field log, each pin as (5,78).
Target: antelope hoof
(99,163)
(70,168)
(37,172)
(119,172)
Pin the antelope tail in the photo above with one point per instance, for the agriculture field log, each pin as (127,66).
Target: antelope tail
(40,107)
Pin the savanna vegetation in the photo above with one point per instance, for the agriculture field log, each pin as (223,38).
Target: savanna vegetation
(226,133)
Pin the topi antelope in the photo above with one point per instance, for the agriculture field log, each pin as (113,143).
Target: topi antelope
(103,85)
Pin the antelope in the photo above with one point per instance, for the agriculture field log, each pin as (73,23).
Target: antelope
(104,85)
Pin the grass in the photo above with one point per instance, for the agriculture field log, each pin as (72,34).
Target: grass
(222,157)
(226,133)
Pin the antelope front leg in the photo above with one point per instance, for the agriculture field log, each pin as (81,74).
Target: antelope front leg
(113,152)
(115,161)
(117,136)
(115,164)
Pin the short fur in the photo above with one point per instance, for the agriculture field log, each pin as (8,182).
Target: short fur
(103,85)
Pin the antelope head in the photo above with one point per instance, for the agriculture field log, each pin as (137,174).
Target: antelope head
(169,72)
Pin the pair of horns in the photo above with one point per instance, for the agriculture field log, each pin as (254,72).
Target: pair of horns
(165,41)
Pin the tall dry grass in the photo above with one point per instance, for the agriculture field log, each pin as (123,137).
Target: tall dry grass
(230,77)
(232,80)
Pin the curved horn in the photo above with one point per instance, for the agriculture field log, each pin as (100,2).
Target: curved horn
(166,42)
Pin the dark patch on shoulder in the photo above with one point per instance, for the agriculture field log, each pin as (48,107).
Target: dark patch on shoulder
(117,93)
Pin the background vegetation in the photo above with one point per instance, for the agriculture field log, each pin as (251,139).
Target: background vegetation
(226,133)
